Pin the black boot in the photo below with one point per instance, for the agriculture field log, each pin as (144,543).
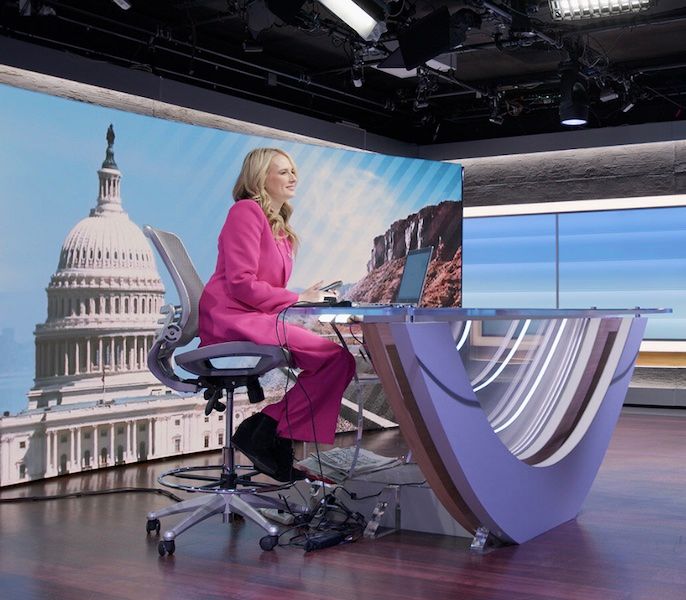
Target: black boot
(256,438)
(285,471)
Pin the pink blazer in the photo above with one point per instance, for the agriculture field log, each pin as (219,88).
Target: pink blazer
(248,287)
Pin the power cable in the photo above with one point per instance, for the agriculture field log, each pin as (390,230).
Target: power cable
(83,494)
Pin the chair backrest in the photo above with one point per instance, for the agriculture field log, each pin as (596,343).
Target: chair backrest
(186,279)
(180,326)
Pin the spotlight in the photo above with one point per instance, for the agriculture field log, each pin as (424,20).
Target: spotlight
(123,4)
(358,18)
(564,10)
(574,99)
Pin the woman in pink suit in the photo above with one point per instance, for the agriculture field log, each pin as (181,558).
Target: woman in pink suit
(243,299)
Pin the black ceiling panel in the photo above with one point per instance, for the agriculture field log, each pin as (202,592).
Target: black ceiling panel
(503,80)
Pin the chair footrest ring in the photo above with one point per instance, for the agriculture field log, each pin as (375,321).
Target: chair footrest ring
(214,479)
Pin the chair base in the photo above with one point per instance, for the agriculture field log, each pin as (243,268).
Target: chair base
(225,493)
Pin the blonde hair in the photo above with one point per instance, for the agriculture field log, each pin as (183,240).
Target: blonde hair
(250,184)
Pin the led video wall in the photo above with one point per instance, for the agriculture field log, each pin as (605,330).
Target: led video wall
(605,258)
(177,177)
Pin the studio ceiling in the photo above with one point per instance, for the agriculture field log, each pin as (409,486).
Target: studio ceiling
(502,80)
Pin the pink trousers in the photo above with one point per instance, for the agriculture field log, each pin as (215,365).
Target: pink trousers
(309,410)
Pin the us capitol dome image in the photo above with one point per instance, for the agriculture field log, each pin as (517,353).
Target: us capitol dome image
(94,403)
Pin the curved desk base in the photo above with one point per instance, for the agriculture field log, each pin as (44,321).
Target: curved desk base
(526,464)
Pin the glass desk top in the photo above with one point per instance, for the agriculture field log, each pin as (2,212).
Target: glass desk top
(410,313)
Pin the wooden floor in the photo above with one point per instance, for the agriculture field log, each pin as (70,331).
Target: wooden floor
(627,543)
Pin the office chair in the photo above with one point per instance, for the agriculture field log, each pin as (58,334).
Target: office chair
(227,493)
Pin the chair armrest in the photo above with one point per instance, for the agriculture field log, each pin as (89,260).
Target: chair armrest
(160,365)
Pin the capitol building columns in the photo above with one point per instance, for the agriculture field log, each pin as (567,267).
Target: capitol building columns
(50,443)
(129,456)
(76,448)
(93,458)
(64,439)
(84,355)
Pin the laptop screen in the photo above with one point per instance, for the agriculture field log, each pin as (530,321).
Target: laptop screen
(414,274)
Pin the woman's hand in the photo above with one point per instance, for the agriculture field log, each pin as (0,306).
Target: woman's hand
(314,293)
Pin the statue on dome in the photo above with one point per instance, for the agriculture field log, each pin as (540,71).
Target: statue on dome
(109,153)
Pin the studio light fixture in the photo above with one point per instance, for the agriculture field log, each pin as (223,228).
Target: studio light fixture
(123,4)
(568,10)
(358,18)
(573,96)
(436,33)
(607,94)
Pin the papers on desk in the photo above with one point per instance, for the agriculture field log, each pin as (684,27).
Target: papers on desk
(336,463)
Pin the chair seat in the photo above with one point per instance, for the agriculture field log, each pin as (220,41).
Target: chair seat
(233,359)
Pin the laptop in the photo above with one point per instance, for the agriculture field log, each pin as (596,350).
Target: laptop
(409,292)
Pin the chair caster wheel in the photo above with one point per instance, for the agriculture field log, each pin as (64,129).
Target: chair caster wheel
(269,542)
(152,525)
(166,547)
